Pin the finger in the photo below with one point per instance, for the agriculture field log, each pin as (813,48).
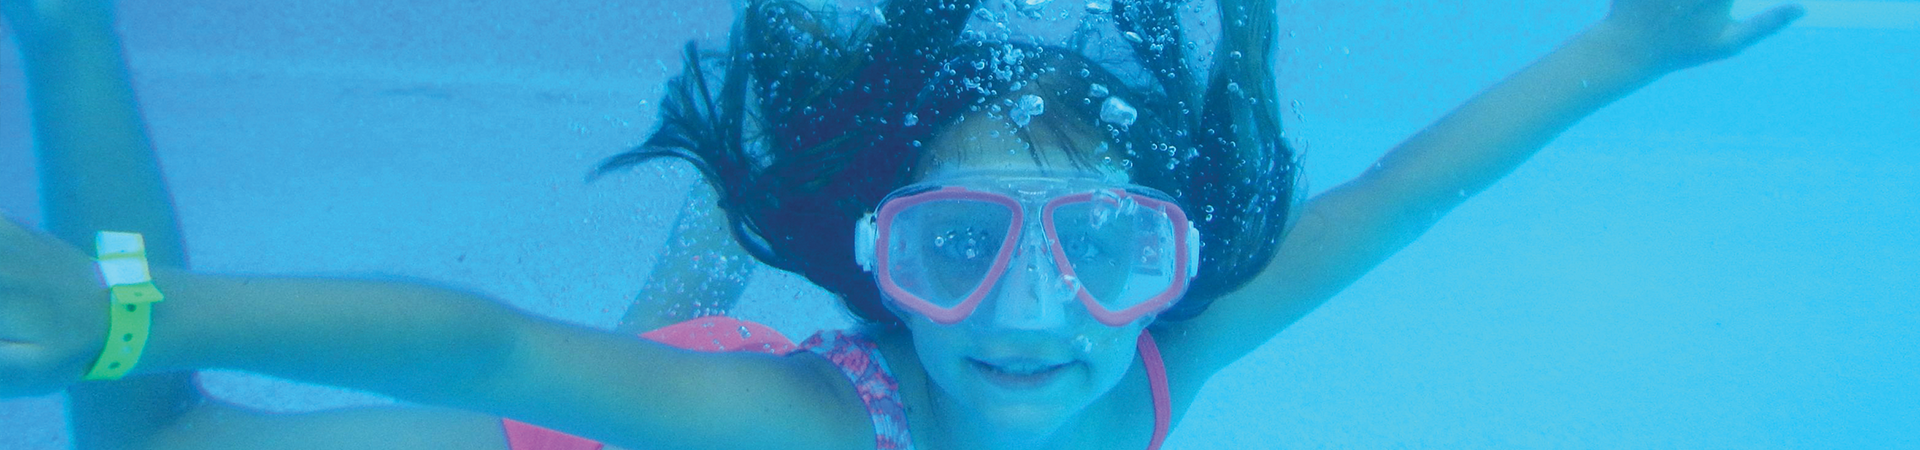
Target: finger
(1762,26)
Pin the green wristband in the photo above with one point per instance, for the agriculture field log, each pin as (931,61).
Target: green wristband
(123,263)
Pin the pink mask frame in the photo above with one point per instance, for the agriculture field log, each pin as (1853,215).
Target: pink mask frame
(876,230)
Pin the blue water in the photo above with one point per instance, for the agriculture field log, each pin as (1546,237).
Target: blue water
(1724,260)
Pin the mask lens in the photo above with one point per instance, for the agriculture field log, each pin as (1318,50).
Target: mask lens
(942,250)
(1121,251)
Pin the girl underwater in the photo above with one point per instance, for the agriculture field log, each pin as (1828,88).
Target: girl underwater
(1033,270)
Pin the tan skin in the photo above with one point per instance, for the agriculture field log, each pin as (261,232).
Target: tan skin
(89,128)
(630,392)
(1105,387)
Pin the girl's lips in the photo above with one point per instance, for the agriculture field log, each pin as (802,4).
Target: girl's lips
(1019,376)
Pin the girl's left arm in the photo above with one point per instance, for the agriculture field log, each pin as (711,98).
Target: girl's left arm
(1351,228)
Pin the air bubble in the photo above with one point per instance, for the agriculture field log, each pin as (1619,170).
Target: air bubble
(1029,106)
(1118,112)
(1104,202)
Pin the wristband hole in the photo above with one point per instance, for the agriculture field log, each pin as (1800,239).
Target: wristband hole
(126,337)
(113,366)
(133,308)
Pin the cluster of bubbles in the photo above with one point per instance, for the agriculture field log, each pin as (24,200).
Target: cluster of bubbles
(1113,110)
(995,22)
(1108,205)
(968,243)
(1036,7)
(681,311)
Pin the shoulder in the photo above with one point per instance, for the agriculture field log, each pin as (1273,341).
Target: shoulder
(797,394)
(1186,372)
(625,390)
(1194,350)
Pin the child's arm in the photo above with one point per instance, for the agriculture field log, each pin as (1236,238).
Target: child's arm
(422,344)
(1348,230)
(97,167)
(98,172)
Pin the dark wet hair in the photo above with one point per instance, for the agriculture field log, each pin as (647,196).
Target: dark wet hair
(802,128)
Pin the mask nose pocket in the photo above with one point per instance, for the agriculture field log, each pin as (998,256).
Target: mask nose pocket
(1034,293)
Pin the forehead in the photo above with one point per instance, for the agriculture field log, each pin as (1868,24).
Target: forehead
(981,144)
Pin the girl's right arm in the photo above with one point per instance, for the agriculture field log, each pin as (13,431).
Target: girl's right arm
(99,172)
(86,121)
(423,344)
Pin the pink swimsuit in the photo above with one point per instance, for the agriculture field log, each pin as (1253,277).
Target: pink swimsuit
(856,355)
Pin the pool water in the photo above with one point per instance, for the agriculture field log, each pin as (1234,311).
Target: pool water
(1724,260)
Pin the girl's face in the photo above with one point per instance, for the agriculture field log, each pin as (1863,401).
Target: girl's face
(1028,359)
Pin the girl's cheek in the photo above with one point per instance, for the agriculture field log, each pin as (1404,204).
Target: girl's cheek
(1092,345)
(1108,347)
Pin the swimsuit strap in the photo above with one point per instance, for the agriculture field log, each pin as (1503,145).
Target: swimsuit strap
(859,358)
(526,436)
(1157,381)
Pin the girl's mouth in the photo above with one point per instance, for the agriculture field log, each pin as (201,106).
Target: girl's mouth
(1020,375)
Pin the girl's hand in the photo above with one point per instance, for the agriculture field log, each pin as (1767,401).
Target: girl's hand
(53,316)
(38,19)
(1669,35)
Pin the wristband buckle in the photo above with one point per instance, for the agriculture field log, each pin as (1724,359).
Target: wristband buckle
(122,259)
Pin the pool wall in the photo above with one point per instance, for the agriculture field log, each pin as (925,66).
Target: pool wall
(1724,260)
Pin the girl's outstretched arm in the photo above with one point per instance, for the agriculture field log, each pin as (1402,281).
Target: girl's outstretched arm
(1348,230)
(98,172)
(97,167)
(426,345)
(1492,134)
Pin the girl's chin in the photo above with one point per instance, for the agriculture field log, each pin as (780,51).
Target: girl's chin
(1025,420)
